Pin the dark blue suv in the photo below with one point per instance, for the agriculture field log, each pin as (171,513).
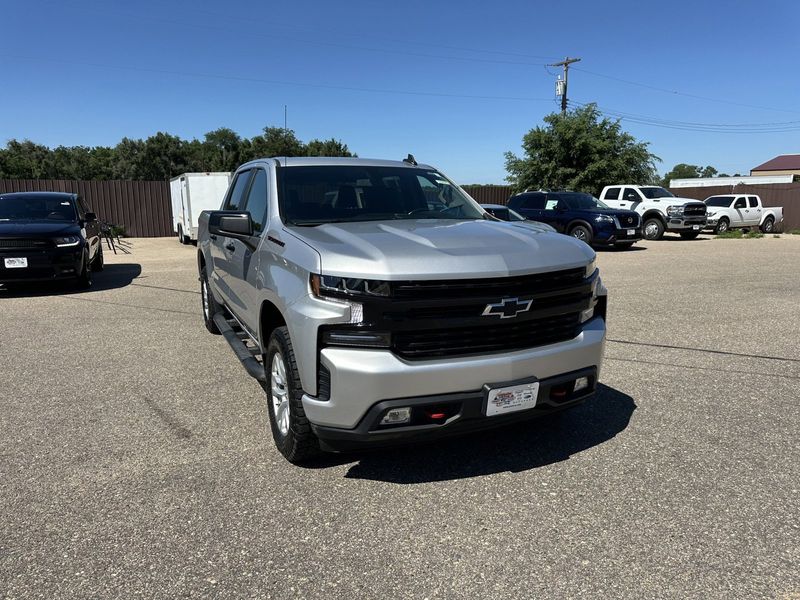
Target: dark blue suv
(580,215)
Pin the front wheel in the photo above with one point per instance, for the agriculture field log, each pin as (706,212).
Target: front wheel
(99,263)
(84,281)
(290,428)
(209,305)
(722,226)
(582,233)
(653,229)
(182,238)
(689,235)
(768,226)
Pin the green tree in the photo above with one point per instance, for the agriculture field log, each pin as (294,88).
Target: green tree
(26,160)
(222,150)
(580,151)
(331,147)
(686,171)
(276,141)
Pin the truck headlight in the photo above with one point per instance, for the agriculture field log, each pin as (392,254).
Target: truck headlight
(675,211)
(348,287)
(591,268)
(68,241)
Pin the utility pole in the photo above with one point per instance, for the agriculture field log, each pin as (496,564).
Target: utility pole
(563,89)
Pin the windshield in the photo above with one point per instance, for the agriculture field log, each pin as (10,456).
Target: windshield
(348,193)
(577,201)
(656,192)
(514,215)
(32,207)
(719,201)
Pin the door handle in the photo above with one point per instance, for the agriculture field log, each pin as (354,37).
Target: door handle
(230,246)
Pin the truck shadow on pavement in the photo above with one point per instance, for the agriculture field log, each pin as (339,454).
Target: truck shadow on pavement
(522,447)
(113,276)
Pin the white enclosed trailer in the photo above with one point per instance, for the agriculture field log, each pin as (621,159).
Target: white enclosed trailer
(191,194)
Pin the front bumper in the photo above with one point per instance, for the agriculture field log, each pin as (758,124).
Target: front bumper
(43,265)
(686,223)
(361,378)
(613,236)
(463,413)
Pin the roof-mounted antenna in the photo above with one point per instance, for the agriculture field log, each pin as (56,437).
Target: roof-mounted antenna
(410,160)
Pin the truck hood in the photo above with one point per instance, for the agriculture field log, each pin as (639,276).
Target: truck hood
(438,249)
(37,228)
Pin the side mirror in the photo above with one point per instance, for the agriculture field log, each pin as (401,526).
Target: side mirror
(90,217)
(231,224)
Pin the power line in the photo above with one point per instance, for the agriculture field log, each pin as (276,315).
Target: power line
(275,81)
(562,89)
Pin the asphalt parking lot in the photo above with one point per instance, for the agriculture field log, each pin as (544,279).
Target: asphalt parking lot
(136,460)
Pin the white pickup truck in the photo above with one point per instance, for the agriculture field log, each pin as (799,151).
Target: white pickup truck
(732,211)
(660,210)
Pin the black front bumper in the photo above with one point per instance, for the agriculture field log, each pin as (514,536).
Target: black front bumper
(616,236)
(43,265)
(464,413)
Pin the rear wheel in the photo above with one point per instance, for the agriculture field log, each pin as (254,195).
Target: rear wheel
(768,226)
(209,305)
(653,229)
(182,238)
(689,235)
(582,233)
(290,427)
(722,226)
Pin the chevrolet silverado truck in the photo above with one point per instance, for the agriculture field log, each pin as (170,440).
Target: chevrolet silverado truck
(660,210)
(377,303)
(731,211)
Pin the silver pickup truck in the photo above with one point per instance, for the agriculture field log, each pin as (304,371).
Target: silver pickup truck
(377,303)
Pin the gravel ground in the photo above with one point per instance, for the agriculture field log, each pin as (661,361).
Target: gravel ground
(135,457)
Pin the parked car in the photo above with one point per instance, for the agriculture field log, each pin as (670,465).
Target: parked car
(378,319)
(733,211)
(660,210)
(191,194)
(507,214)
(580,215)
(46,236)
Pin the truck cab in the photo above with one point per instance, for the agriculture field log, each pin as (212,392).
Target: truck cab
(661,211)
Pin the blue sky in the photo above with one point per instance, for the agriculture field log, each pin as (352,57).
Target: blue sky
(87,72)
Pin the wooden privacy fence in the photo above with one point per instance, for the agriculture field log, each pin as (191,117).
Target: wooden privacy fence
(489,194)
(141,207)
(786,195)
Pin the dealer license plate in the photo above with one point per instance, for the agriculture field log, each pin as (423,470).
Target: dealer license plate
(631,232)
(510,399)
(696,227)
(16,263)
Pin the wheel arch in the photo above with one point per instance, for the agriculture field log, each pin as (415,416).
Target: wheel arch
(575,222)
(653,213)
(270,317)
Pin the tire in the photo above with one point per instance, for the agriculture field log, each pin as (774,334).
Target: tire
(84,280)
(208,305)
(722,226)
(653,229)
(181,238)
(689,235)
(624,245)
(581,232)
(768,226)
(290,428)
(98,264)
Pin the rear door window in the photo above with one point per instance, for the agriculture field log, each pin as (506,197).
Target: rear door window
(611,194)
(534,201)
(753,202)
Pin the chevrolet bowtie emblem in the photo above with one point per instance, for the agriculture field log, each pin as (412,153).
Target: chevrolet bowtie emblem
(507,308)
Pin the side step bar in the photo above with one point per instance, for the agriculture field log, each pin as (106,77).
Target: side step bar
(251,364)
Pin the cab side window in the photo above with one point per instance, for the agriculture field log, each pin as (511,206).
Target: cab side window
(257,201)
(630,195)
(552,203)
(753,202)
(611,194)
(237,191)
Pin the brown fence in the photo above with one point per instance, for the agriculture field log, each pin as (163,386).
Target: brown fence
(786,195)
(489,194)
(142,207)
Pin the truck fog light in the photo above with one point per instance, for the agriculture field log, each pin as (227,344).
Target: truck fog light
(587,314)
(581,383)
(397,416)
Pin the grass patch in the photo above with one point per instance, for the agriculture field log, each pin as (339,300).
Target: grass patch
(731,234)
(794,232)
(754,233)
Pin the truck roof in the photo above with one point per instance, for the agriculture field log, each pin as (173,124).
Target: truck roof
(330,161)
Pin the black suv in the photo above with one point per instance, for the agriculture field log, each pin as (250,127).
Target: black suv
(46,236)
(580,215)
